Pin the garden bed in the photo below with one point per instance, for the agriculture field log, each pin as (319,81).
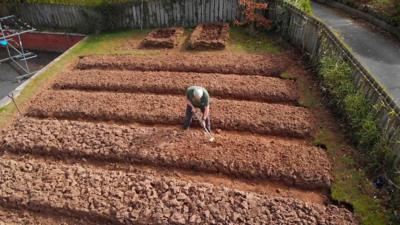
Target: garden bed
(163,38)
(228,86)
(21,216)
(209,36)
(131,198)
(262,118)
(235,155)
(265,65)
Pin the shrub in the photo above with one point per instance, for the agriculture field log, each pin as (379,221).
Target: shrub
(304,5)
(348,102)
(360,119)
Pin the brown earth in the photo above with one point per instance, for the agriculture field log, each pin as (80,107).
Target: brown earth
(237,155)
(262,118)
(128,198)
(19,217)
(163,38)
(209,36)
(226,86)
(258,186)
(265,65)
(134,174)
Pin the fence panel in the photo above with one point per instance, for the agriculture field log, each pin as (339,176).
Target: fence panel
(153,13)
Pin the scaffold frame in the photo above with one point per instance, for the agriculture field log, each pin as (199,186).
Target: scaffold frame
(11,29)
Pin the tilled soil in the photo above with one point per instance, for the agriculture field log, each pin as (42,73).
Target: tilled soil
(255,117)
(163,38)
(227,86)
(231,154)
(209,36)
(265,65)
(19,217)
(129,198)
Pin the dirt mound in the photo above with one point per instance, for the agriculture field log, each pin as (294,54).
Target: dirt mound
(266,65)
(231,154)
(226,86)
(255,117)
(18,217)
(128,198)
(209,36)
(163,38)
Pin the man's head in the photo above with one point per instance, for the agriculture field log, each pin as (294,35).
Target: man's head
(198,93)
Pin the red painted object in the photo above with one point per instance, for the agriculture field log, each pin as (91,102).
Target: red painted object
(50,41)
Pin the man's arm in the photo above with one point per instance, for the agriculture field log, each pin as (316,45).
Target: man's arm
(206,112)
(190,103)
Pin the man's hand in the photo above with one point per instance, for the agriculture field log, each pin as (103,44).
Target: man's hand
(203,122)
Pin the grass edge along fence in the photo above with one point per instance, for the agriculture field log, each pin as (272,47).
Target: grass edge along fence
(371,115)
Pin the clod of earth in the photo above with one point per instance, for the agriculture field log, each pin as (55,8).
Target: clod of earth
(209,36)
(255,117)
(130,198)
(163,38)
(237,155)
(18,217)
(265,65)
(226,86)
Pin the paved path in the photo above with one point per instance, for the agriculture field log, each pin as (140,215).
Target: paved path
(7,81)
(379,54)
(8,73)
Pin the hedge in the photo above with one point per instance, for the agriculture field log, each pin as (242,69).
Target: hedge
(359,117)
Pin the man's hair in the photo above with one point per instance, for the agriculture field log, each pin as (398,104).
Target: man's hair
(198,92)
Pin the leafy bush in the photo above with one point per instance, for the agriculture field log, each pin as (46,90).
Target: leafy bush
(360,117)
(396,18)
(304,5)
(351,104)
(387,10)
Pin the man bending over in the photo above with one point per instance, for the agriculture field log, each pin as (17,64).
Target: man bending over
(197,97)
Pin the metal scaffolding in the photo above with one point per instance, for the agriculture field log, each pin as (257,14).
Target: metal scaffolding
(11,29)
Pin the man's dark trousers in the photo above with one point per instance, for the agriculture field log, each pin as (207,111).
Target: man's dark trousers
(189,117)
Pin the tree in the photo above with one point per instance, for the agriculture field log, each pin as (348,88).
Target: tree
(250,9)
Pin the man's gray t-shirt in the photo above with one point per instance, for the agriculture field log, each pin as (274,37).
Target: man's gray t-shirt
(204,100)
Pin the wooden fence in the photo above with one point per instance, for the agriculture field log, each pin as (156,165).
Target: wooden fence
(316,40)
(149,13)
